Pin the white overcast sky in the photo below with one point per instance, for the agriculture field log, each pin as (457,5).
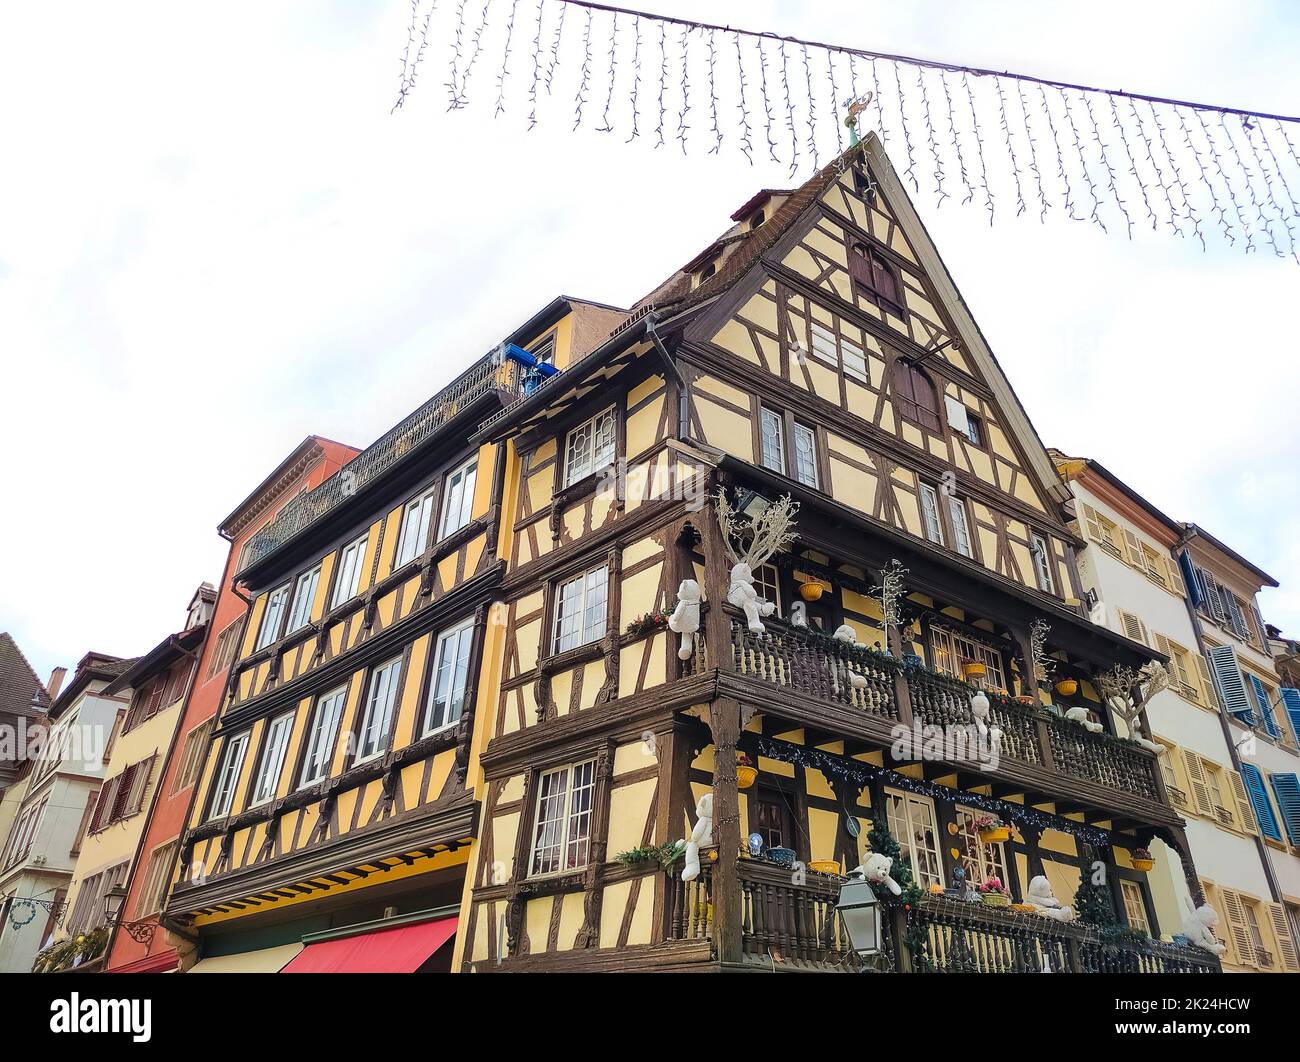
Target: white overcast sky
(215,239)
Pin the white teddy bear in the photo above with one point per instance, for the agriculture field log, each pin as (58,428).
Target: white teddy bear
(743,595)
(685,619)
(1044,901)
(702,835)
(979,710)
(846,633)
(1199,929)
(875,868)
(1080,715)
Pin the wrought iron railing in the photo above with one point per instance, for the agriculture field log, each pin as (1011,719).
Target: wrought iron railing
(491,373)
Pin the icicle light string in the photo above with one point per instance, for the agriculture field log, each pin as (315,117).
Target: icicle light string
(1157,159)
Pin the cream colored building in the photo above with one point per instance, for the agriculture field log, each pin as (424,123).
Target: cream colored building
(156,685)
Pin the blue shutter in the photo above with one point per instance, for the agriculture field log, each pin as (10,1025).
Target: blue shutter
(1189,579)
(1291,698)
(1265,706)
(1259,801)
(1287,790)
(1228,681)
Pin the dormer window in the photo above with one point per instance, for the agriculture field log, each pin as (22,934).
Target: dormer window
(874,279)
(710,270)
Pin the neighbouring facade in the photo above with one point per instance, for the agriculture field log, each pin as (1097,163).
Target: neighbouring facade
(61,792)
(1134,582)
(154,686)
(1264,724)
(23,701)
(336,806)
(311,463)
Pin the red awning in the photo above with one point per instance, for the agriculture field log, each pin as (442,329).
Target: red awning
(400,950)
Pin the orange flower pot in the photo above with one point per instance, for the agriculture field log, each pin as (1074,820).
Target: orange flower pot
(745,776)
(824,866)
(1144,865)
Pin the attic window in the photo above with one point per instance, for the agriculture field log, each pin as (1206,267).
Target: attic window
(864,185)
(710,270)
(757,219)
(874,279)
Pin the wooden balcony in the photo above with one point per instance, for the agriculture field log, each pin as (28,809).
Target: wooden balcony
(817,681)
(794,927)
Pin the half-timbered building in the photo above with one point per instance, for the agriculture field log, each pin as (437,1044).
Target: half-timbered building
(818,349)
(335,810)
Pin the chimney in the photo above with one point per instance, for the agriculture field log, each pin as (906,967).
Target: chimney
(55,682)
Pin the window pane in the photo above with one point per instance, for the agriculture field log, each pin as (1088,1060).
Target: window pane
(960,532)
(930,511)
(320,744)
(580,610)
(773,442)
(580,806)
(1042,568)
(590,447)
(805,455)
(304,594)
(231,762)
(415,529)
(450,674)
(550,821)
(273,616)
(459,498)
(277,743)
(379,709)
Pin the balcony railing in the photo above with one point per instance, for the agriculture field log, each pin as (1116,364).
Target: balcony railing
(487,375)
(822,668)
(796,924)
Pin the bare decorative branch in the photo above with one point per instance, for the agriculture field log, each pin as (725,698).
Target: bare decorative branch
(755,541)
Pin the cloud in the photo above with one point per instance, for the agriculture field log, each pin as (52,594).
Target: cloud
(218,239)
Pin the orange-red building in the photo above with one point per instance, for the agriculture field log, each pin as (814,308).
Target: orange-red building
(314,461)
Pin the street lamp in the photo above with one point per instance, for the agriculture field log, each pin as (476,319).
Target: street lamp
(140,932)
(860,911)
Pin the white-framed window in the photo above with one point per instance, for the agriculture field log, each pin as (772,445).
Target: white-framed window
(767,581)
(1041,551)
(911,821)
(837,351)
(320,739)
(951,650)
(772,440)
(273,752)
(1135,908)
(348,580)
(589,447)
(304,593)
(411,540)
(562,825)
(960,528)
(380,699)
(232,762)
(930,513)
(805,455)
(154,891)
(980,861)
(580,610)
(458,497)
(450,675)
(272,619)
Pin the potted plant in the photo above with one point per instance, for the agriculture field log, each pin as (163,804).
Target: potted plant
(994,893)
(746,772)
(651,621)
(991,829)
(1143,860)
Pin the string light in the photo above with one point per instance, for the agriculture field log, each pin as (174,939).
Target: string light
(1182,159)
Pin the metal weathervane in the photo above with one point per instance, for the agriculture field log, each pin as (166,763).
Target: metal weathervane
(1008,143)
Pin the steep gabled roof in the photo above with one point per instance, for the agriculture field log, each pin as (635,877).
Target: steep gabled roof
(18,681)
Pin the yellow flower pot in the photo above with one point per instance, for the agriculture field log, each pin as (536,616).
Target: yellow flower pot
(1144,865)
(1024,908)
(824,866)
(1067,687)
(811,591)
(974,670)
(745,776)
(995,836)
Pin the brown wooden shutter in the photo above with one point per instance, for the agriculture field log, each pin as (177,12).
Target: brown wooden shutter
(104,804)
(120,797)
(139,785)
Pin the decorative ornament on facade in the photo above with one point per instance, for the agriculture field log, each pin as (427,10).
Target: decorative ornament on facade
(701,836)
(1040,897)
(890,591)
(1042,664)
(750,542)
(1199,929)
(876,869)
(845,633)
(1118,684)
(685,619)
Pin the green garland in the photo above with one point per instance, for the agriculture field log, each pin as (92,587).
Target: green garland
(916,939)
(1092,902)
(66,953)
(666,855)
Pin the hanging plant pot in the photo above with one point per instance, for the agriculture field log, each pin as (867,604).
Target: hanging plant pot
(745,776)
(996,899)
(811,591)
(1144,865)
(974,670)
(1067,687)
(825,866)
(997,835)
